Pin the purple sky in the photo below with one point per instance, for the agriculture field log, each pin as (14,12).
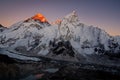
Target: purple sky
(102,13)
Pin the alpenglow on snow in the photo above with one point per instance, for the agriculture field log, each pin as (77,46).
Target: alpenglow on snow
(36,37)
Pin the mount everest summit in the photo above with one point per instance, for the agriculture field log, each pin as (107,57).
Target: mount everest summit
(68,39)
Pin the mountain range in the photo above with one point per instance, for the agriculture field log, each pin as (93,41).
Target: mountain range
(68,39)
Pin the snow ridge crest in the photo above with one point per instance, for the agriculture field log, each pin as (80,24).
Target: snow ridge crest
(72,17)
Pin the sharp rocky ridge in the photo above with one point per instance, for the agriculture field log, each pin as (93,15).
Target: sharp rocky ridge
(2,28)
(67,39)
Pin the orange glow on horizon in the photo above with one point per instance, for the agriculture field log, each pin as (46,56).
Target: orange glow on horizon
(39,17)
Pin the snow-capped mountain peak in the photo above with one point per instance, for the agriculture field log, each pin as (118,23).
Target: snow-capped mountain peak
(72,17)
(39,17)
(35,36)
(83,38)
(37,21)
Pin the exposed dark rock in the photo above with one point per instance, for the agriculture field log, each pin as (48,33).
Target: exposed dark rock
(2,28)
(62,47)
(6,59)
(1,25)
(74,73)
(8,68)
(69,71)
(21,49)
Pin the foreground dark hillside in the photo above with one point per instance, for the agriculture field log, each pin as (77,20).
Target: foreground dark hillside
(11,69)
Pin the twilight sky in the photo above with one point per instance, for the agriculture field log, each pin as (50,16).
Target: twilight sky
(102,13)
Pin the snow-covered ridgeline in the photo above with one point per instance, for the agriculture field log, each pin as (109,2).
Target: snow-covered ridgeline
(34,37)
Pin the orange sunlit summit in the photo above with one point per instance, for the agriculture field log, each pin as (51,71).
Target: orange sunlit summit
(39,17)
